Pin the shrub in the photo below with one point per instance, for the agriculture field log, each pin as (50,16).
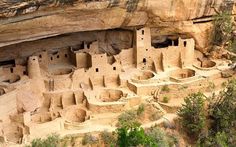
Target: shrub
(134,135)
(222,118)
(130,117)
(192,115)
(140,109)
(129,133)
(165,88)
(89,139)
(165,99)
(222,112)
(68,140)
(231,47)
(222,109)
(51,141)
(211,86)
(108,138)
(160,138)
(223,28)
(220,139)
(127,118)
(224,84)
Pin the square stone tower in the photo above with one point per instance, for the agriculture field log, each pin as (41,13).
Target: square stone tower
(142,44)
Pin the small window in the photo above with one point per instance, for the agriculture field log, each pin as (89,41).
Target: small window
(114,68)
(143,32)
(58,56)
(176,42)
(144,60)
(24,72)
(141,38)
(66,55)
(51,58)
(11,70)
(97,70)
(40,56)
(146,49)
(185,43)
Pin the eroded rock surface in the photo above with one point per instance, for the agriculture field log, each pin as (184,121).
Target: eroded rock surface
(190,18)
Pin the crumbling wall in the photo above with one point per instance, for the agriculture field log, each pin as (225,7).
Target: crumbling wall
(8,103)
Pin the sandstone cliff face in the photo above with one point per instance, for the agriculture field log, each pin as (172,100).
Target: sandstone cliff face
(189,18)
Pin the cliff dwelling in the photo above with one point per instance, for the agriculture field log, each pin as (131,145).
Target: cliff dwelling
(75,84)
(75,78)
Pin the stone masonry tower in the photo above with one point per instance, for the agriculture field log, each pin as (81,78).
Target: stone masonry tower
(142,44)
(35,74)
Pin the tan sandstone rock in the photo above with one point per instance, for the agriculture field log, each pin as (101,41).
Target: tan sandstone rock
(164,16)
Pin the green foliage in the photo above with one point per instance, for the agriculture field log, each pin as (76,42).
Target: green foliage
(131,136)
(108,138)
(222,109)
(136,136)
(128,118)
(165,88)
(223,28)
(51,141)
(89,139)
(165,99)
(68,140)
(224,84)
(192,115)
(140,109)
(232,46)
(211,86)
(222,118)
(160,138)
(220,139)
